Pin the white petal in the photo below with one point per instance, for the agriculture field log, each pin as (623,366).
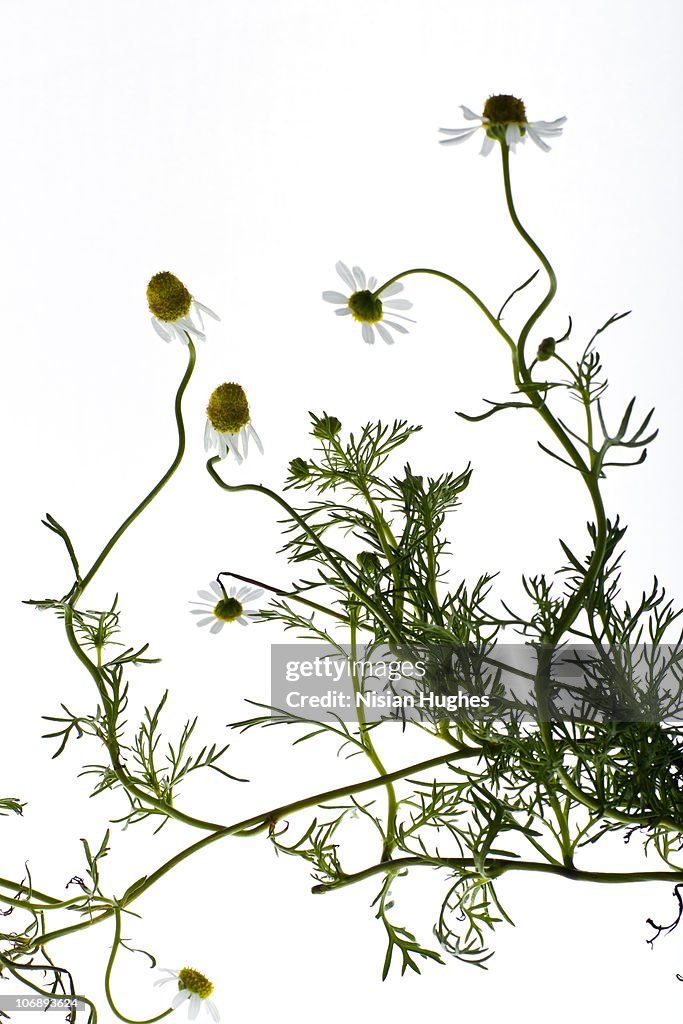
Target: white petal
(181,998)
(209,440)
(211,1009)
(178,334)
(242,621)
(217,626)
(161,329)
(207,622)
(257,439)
(468,114)
(216,587)
(458,134)
(384,334)
(393,289)
(202,611)
(487,145)
(232,445)
(368,334)
(207,596)
(531,132)
(450,142)
(205,309)
(372,283)
(188,326)
(398,304)
(254,594)
(244,435)
(335,297)
(397,327)
(359,275)
(512,135)
(194,1007)
(343,312)
(549,126)
(345,274)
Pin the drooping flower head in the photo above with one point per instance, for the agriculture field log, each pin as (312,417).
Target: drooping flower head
(219,606)
(172,307)
(228,422)
(194,989)
(504,119)
(365,305)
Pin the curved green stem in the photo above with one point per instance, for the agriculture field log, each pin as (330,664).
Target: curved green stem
(536,249)
(292,595)
(259,823)
(113,747)
(350,583)
(524,380)
(497,866)
(369,747)
(192,356)
(107,979)
(458,284)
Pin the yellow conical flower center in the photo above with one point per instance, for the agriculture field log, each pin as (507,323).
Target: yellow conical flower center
(365,307)
(194,982)
(228,609)
(167,297)
(504,110)
(228,409)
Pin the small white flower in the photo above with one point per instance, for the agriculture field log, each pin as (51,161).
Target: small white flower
(218,605)
(504,119)
(228,423)
(172,308)
(367,306)
(194,989)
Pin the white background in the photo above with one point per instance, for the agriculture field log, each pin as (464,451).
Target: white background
(247,147)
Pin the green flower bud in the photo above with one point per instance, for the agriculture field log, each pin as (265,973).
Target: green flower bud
(326,427)
(369,562)
(299,469)
(546,349)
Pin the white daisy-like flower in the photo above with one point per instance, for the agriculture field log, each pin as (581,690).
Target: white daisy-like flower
(228,423)
(172,308)
(218,605)
(366,306)
(194,989)
(504,120)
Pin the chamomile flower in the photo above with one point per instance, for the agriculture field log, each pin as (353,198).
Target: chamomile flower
(504,119)
(172,308)
(194,989)
(365,305)
(218,605)
(228,423)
